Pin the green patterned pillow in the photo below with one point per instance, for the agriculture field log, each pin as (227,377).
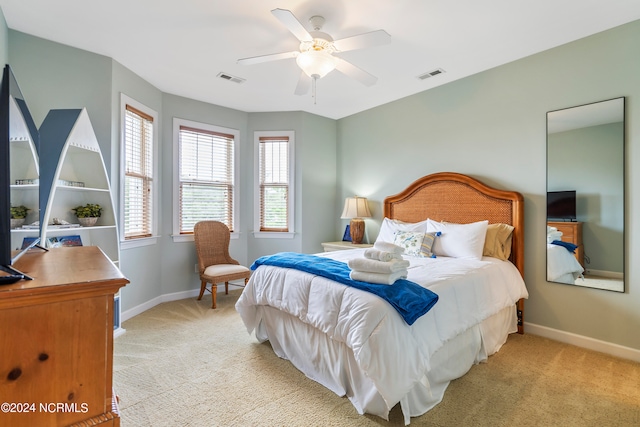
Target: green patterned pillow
(410,241)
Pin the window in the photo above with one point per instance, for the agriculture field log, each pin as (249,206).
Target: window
(206,175)
(274,186)
(138,166)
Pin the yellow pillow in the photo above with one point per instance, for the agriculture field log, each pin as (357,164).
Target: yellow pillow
(497,243)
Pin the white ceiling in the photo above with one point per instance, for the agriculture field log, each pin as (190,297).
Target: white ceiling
(181,46)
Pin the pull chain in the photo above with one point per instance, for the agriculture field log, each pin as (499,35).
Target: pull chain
(313,89)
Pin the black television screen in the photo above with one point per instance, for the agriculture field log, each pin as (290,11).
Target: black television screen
(10,95)
(5,177)
(561,205)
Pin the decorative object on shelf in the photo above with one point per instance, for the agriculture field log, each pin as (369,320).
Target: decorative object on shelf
(18,215)
(68,183)
(346,237)
(29,241)
(58,221)
(88,221)
(88,214)
(17,222)
(356,208)
(28,181)
(54,242)
(61,241)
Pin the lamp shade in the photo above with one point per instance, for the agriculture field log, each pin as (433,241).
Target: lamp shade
(356,207)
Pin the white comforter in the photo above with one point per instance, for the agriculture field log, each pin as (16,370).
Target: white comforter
(393,355)
(562,265)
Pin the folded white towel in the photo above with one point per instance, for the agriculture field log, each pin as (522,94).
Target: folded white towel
(375,266)
(554,235)
(378,278)
(376,254)
(388,247)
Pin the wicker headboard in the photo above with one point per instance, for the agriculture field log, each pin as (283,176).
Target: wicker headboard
(454,197)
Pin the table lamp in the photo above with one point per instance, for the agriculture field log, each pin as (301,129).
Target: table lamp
(356,208)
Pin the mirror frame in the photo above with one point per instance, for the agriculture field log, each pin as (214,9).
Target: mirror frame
(570,120)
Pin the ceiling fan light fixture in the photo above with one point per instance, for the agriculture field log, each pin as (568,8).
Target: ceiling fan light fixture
(316,63)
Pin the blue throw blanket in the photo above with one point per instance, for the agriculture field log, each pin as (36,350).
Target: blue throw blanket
(409,299)
(567,245)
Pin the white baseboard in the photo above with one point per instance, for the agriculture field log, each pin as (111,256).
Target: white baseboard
(141,308)
(584,342)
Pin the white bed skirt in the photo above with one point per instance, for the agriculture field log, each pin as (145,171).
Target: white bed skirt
(333,364)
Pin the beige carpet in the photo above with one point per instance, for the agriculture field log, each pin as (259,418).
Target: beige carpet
(183,364)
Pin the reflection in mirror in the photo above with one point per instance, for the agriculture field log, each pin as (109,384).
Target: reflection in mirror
(585,195)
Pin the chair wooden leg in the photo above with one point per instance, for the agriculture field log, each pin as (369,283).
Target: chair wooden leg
(226,288)
(214,292)
(203,286)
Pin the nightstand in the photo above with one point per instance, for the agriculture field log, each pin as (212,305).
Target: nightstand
(342,246)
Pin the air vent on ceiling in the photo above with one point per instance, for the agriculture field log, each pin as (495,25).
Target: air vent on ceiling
(231,78)
(432,73)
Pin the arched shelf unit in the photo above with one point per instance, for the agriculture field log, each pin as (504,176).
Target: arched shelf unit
(73,174)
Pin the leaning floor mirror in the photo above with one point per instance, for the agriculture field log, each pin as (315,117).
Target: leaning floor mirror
(585,195)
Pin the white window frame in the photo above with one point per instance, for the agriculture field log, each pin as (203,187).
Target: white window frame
(177,123)
(144,241)
(292,195)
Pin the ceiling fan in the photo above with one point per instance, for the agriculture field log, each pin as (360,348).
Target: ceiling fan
(316,56)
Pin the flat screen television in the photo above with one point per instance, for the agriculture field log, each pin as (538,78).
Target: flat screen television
(561,205)
(10,96)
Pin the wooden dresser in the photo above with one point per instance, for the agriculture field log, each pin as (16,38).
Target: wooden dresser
(571,233)
(56,344)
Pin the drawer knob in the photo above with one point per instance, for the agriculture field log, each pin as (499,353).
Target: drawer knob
(14,374)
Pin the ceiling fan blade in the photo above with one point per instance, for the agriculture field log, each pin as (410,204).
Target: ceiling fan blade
(289,20)
(354,72)
(304,83)
(374,38)
(267,58)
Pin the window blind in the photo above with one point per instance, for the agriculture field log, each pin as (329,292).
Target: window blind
(138,181)
(206,177)
(274,183)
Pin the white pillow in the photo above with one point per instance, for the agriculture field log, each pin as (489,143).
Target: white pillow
(390,226)
(459,240)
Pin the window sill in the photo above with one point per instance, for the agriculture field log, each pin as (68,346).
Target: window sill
(273,235)
(181,238)
(137,243)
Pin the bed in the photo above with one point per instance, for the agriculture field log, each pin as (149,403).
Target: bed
(357,345)
(562,265)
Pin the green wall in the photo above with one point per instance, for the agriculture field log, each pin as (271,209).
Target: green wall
(4,40)
(492,126)
(315,176)
(146,283)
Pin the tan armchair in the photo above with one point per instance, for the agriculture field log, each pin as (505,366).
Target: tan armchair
(215,265)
